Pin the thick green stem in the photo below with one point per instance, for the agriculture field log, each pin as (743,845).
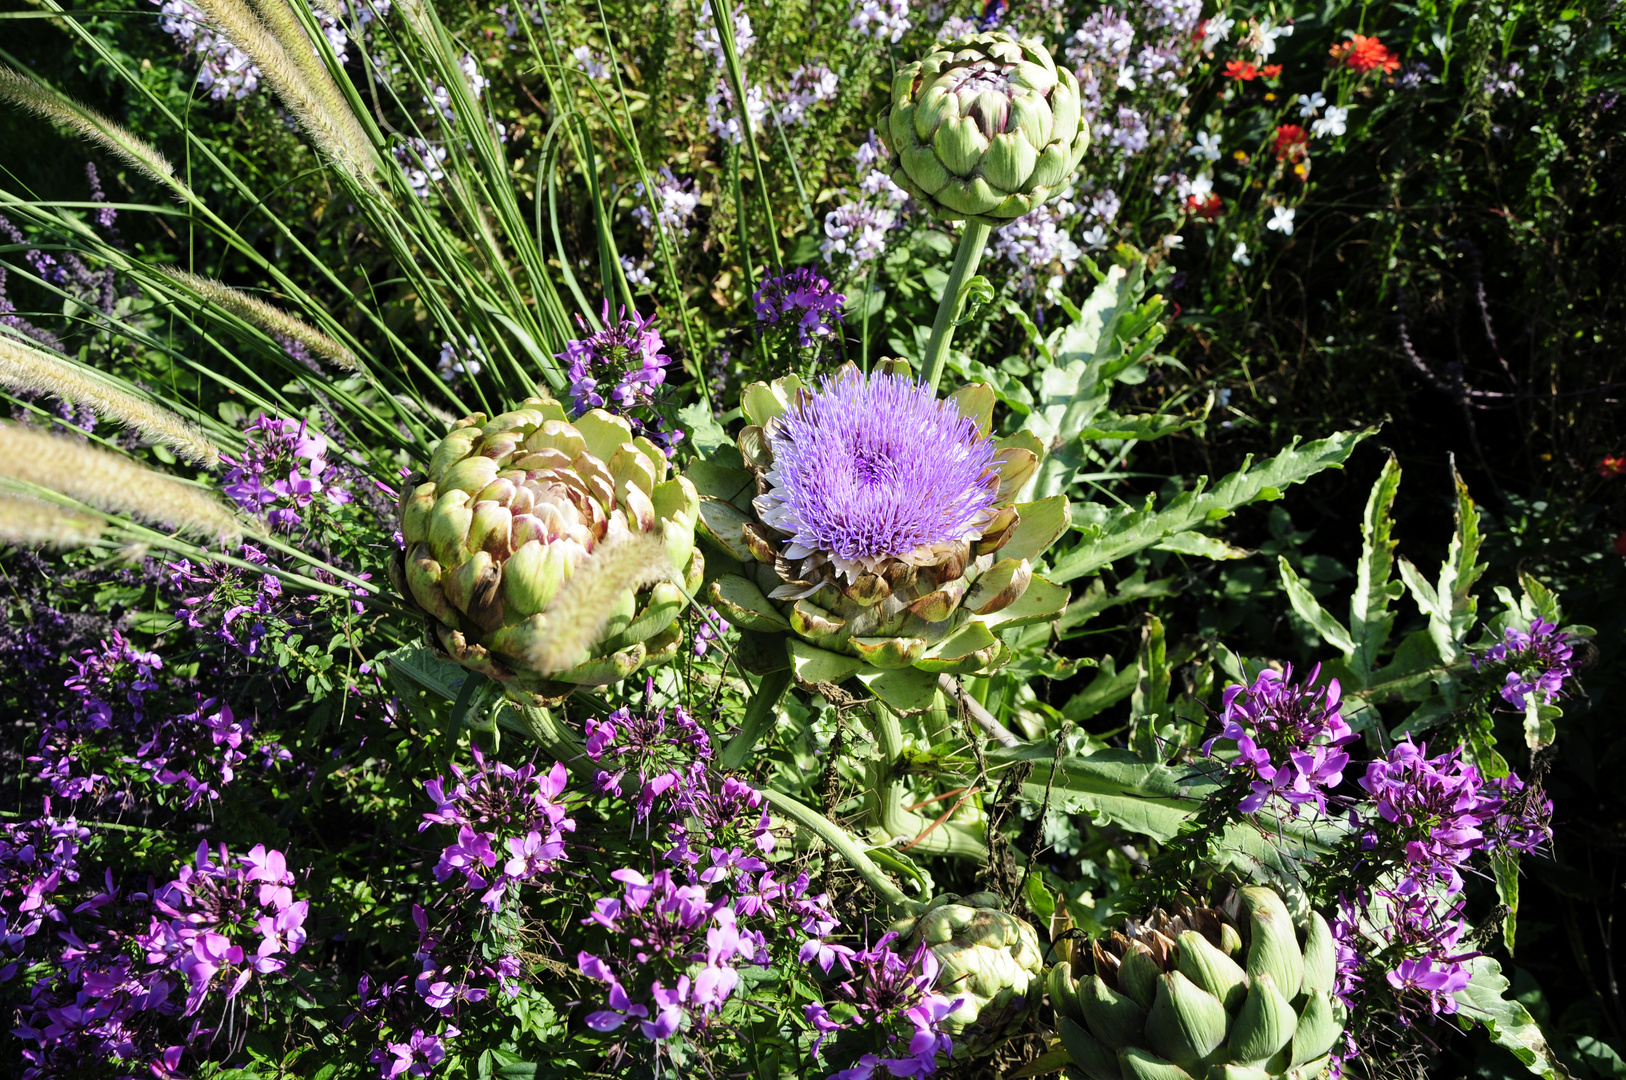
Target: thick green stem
(945,839)
(758,720)
(845,845)
(556,738)
(966,257)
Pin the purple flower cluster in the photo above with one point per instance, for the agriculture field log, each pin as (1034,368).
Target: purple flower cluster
(667,753)
(801,298)
(503,815)
(626,354)
(857,230)
(110,686)
(110,991)
(710,631)
(281,472)
(675,203)
(1540,662)
(1288,738)
(201,750)
(37,858)
(1423,818)
(884,993)
(1038,248)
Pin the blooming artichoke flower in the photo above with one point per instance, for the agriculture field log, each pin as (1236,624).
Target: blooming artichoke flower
(510,509)
(985,127)
(989,962)
(1237,993)
(884,534)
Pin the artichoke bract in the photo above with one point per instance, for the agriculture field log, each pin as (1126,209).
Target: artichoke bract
(988,959)
(1231,993)
(985,128)
(876,524)
(510,509)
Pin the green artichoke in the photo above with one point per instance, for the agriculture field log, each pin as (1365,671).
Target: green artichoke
(989,959)
(986,127)
(1237,993)
(510,509)
(854,572)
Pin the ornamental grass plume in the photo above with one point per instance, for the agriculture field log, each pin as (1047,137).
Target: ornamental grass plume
(38,524)
(25,92)
(25,367)
(273,320)
(111,482)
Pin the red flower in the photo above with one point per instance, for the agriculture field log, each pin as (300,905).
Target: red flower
(1620,544)
(1199,32)
(1270,71)
(1611,467)
(1206,208)
(1362,54)
(1241,69)
(1292,142)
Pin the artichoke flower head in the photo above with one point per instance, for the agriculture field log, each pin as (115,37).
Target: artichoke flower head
(1237,992)
(985,127)
(511,509)
(884,527)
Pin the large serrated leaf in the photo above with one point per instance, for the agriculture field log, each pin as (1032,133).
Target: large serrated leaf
(1310,610)
(1115,534)
(1509,1023)
(1370,619)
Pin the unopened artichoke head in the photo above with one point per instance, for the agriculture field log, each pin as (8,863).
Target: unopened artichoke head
(1237,992)
(511,509)
(985,127)
(885,526)
(988,960)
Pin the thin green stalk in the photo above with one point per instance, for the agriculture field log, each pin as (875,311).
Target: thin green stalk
(554,737)
(966,257)
(723,19)
(758,719)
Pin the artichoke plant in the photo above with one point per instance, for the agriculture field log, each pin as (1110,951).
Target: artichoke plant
(984,128)
(988,959)
(878,527)
(1238,993)
(510,509)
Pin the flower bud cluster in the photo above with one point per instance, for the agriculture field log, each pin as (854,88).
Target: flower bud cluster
(1289,740)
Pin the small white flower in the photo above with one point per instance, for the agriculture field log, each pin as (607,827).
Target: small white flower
(1240,255)
(1281,220)
(1126,77)
(1214,31)
(1309,104)
(1208,145)
(1264,37)
(1331,124)
(590,62)
(1094,237)
(1173,240)
(1201,187)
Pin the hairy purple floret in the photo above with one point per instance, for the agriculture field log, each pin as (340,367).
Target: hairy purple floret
(879,467)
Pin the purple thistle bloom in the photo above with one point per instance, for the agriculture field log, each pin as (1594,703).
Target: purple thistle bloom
(874,468)
(803,299)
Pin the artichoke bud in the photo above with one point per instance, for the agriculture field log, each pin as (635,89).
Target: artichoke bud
(1138,974)
(1265,1025)
(1095,1060)
(1320,956)
(1274,948)
(1114,1018)
(1211,969)
(1237,1072)
(1064,993)
(449,526)
(1319,1027)
(416,509)
(1137,1064)
(1186,1023)
(1230,940)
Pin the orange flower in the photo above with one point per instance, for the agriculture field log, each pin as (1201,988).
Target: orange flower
(1241,69)
(1362,54)
(1208,208)
(1292,142)
(1270,71)
(1611,467)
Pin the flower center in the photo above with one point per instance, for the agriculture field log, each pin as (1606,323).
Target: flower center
(871,468)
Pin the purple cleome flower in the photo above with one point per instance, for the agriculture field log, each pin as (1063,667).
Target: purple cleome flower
(874,468)
(801,298)
(627,353)
(1288,739)
(269,478)
(1541,661)
(886,991)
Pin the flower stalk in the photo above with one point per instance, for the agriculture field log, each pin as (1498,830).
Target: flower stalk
(966,257)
